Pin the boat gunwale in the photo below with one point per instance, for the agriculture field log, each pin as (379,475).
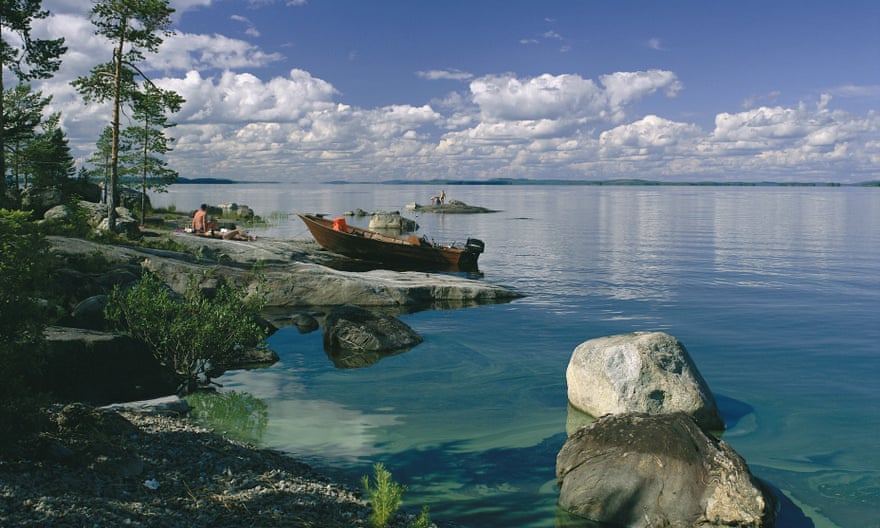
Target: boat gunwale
(366,244)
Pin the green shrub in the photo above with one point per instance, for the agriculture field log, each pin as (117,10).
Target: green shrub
(423,520)
(384,494)
(75,225)
(192,334)
(24,268)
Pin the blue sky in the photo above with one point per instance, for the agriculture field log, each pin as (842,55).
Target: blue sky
(314,90)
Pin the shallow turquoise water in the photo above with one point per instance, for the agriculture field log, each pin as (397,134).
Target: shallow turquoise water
(774,290)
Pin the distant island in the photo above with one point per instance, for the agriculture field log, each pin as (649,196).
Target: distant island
(634,182)
(526,181)
(215,181)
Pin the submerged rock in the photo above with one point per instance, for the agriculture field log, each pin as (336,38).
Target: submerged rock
(356,337)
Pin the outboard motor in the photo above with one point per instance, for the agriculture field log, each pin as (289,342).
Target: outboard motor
(474,244)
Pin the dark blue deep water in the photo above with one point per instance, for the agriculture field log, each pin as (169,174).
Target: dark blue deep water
(775,291)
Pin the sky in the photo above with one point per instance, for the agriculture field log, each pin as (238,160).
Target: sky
(678,90)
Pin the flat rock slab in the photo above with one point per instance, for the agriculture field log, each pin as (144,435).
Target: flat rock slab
(292,273)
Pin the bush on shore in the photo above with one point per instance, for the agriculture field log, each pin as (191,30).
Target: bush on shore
(193,334)
(24,267)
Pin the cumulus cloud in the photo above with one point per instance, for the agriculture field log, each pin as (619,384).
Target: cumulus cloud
(508,98)
(806,136)
(650,132)
(237,123)
(186,51)
(623,88)
(243,97)
(567,96)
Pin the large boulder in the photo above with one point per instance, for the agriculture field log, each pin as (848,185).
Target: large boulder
(236,210)
(100,368)
(649,372)
(356,337)
(94,211)
(73,287)
(59,213)
(385,221)
(40,199)
(89,313)
(126,224)
(640,470)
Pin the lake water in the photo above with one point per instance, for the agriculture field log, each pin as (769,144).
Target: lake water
(775,291)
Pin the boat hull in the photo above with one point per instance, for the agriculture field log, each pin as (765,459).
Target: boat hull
(397,252)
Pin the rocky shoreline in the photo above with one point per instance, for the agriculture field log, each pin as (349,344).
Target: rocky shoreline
(123,467)
(102,467)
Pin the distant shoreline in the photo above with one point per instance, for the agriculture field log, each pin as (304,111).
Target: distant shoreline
(526,181)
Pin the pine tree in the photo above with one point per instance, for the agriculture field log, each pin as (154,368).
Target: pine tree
(25,57)
(135,27)
(148,141)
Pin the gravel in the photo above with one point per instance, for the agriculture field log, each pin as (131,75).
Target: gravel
(107,468)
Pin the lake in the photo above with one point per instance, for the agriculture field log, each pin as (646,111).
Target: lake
(775,292)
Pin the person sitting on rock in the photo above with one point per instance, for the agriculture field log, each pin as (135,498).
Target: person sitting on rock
(202,226)
(200,221)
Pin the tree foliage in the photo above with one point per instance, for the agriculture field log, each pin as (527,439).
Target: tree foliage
(27,58)
(37,147)
(22,116)
(134,27)
(148,141)
(24,265)
(191,334)
(48,156)
(23,269)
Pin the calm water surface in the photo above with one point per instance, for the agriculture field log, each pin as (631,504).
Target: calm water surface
(774,291)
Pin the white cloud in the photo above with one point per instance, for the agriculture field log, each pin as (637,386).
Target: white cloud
(451,74)
(186,51)
(244,98)
(623,88)
(650,132)
(655,44)
(238,124)
(78,7)
(182,6)
(508,98)
(853,90)
(250,29)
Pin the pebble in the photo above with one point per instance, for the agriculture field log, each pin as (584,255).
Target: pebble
(90,487)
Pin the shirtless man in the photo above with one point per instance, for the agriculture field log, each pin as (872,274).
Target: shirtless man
(200,221)
(201,226)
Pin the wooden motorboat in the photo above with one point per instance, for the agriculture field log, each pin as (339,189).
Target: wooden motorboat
(400,252)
